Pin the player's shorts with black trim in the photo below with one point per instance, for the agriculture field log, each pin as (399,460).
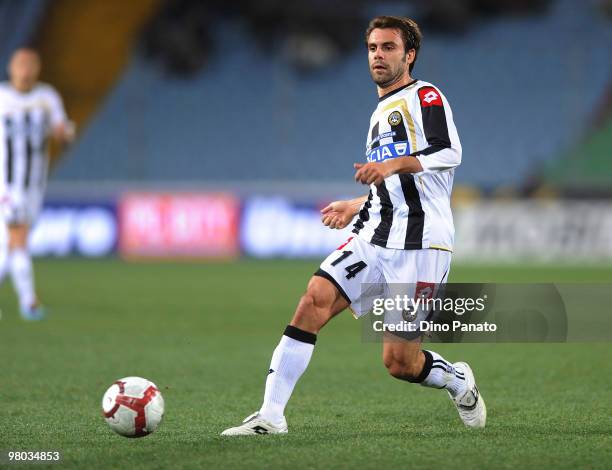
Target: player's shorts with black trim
(363,272)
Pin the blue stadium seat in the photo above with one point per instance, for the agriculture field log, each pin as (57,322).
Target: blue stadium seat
(522,91)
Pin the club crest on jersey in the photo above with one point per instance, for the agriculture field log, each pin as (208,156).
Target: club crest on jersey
(395,118)
(409,314)
(392,150)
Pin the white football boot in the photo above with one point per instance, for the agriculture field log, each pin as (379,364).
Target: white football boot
(254,425)
(470,404)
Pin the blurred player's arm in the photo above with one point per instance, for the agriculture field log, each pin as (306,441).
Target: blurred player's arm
(63,131)
(339,214)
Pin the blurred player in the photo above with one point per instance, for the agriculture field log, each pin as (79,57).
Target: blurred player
(404,233)
(30,113)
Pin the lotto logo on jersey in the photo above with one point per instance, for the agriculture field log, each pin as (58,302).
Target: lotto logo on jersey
(424,290)
(429,96)
(384,152)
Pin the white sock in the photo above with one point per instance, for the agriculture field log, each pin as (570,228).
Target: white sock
(20,266)
(442,374)
(289,361)
(4,258)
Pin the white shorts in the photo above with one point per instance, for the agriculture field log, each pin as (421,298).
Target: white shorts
(363,272)
(21,207)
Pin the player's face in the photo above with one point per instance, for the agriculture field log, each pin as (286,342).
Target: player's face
(386,56)
(24,69)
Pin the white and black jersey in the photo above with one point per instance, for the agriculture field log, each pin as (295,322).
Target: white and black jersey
(26,121)
(412,211)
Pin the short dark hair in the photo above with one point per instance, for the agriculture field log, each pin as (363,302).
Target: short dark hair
(409,29)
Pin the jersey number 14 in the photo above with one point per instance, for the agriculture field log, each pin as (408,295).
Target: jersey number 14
(351,269)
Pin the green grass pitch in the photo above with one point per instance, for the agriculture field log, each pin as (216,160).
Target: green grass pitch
(204,333)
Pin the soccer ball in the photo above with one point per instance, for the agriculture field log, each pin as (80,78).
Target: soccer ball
(133,407)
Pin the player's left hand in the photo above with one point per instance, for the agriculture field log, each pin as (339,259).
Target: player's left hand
(337,215)
(371,173)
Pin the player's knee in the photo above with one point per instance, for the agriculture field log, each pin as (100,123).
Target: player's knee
(306,315)
(17,244)
(312,312)
(318,305)
(306,306)
(18,237)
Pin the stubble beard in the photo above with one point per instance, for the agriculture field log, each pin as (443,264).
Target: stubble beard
(389,78)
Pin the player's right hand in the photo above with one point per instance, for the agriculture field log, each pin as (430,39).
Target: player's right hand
(337,215)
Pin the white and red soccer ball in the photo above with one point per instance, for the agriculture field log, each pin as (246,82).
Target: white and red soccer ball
(133,407)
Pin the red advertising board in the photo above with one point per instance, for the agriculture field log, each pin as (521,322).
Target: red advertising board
(181,225)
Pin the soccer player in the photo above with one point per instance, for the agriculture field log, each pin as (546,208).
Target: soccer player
(404,233)
(30,113)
